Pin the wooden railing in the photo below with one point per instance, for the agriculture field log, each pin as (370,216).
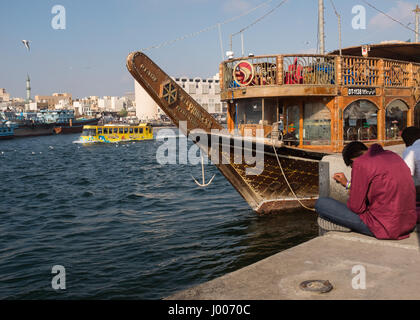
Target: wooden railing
(322,70)
(306,69)
(396,73)
(359,71)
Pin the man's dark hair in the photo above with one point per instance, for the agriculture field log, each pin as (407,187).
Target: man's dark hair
(353,150)
(410,135)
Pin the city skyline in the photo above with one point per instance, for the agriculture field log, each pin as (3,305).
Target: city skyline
(88,57)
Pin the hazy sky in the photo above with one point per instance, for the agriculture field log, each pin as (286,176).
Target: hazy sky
(88,57)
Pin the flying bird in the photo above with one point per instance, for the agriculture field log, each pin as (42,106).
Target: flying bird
(26,44)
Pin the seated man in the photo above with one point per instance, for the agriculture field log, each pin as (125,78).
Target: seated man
(411,156)
(382,194)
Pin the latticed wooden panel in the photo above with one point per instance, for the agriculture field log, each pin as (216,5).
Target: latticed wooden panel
(309,70)
(360,72)
(396,74)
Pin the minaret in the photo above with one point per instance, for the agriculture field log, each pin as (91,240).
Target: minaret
(28,89)
(417,11)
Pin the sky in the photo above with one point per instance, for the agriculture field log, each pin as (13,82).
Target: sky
(88,56)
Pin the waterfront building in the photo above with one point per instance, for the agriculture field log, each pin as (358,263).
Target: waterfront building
(204,91)
(54,99)
(146,107)
(4,96)
(111,104)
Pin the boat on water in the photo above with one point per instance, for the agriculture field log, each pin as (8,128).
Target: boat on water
(6,128)
(292,110)
(6,131)
(46,122)
(75,126)
(307,106)
(115,133)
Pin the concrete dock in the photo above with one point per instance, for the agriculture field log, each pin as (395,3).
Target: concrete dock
(392,271)
(357,266)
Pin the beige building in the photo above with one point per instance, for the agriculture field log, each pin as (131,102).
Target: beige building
(205,91)
(4,96)
(55,99)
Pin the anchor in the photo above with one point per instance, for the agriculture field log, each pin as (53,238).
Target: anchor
(204,184)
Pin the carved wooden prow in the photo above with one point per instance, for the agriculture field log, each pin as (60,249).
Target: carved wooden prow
(170,97)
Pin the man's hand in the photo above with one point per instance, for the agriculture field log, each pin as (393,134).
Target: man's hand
(340,178)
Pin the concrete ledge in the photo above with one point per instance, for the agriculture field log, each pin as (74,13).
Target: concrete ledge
(392,271)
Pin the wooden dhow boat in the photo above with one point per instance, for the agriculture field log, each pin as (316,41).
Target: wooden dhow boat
(306,106)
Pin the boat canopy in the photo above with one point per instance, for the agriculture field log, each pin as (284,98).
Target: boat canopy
(404,51)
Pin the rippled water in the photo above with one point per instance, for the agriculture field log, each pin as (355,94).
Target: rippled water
(122,225)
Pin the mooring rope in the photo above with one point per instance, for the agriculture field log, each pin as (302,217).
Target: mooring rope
(285,178)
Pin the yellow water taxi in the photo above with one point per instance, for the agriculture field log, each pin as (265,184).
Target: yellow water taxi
(114,133)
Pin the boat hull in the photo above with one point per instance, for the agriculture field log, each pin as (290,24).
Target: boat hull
(34,130)
(8,137)
(76,127)
(268,191)
(287,177)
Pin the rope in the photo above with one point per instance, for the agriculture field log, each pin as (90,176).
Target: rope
(287,181)
(389,17)
(217,25)
(259,19)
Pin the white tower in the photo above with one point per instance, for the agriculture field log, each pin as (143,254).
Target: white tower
(146,107)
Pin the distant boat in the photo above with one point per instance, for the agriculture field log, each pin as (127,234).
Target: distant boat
(6,131)
(46,122)
(75,126)
(114,133)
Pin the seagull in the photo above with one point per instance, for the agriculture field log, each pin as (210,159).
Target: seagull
(26,44)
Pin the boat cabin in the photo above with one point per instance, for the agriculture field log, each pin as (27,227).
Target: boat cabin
(322,102)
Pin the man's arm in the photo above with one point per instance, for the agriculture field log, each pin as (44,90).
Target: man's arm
(358,191)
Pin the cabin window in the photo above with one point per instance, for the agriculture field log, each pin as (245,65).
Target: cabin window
(249,111)
(360,121)
(125,130)
(136,130)
(395,119)
(115,130)
(270,111)
(89,132)
(292,120)
(99,130)
(131,130)
(316,124)
(141,130)
(105,130)
(121,130)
